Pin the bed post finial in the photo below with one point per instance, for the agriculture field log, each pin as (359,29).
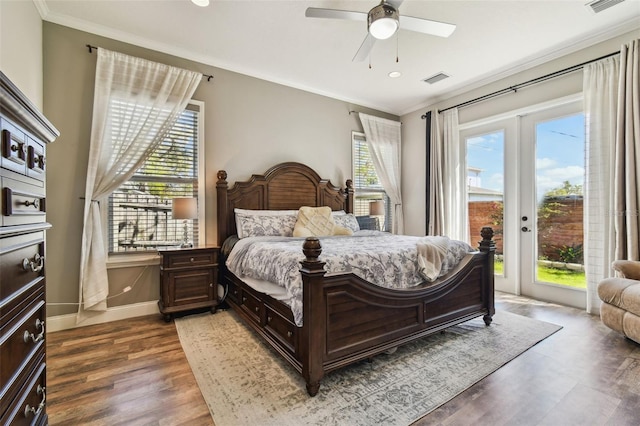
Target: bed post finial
(488,246)
(222,202)
(350,194)
(312,249)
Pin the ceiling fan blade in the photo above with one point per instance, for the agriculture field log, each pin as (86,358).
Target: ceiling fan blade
(364,49)
(315,12)
(426,26)
(395,3)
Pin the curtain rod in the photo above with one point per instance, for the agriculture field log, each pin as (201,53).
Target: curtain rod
(91,48)
(527,83)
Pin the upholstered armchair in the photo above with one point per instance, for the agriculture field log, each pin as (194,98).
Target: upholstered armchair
(620,297)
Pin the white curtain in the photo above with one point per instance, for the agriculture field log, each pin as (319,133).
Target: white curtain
(454,182)
(612,115)
(384,139)
(152,97)
(436,185)
(626,194)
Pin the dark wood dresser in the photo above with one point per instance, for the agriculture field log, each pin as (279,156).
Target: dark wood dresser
(25,132)
(188,279)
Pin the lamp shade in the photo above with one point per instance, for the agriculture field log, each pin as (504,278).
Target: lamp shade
(185,208)
(376,208)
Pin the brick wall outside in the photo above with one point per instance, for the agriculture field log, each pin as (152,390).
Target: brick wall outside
(485,213)
(563,228)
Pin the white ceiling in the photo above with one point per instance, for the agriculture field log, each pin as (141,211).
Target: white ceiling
(273,40)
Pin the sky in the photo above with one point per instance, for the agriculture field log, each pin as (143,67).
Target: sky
(559,155)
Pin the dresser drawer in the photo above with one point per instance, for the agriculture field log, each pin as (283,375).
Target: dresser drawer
(21,339)
(22,203)
(29,406)
(21,263)
(199,258)
(13,147)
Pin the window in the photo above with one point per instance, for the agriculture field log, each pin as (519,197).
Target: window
(366,182)
(139,212)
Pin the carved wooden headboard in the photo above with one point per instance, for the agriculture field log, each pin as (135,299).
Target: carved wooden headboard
(286,186)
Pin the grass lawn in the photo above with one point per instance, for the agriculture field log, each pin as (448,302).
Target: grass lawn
(552,275)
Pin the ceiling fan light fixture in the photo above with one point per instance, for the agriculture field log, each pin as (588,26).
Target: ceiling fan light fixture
(201,3)
(383,21)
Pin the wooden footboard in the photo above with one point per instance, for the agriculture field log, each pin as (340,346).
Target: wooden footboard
(347,319)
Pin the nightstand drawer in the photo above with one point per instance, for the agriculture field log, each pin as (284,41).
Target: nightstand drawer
(199,258)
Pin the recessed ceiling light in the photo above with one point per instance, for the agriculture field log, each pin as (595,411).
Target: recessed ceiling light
(395,74)
(201,3)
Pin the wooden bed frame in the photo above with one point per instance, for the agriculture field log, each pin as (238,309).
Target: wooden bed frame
(346,319)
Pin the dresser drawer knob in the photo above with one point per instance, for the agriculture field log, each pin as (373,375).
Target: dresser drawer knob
(34,265)
(269,318)
(30,336)
(289,334)
(192,260)
(35,411)
(18,148)
(257,309)
(35,203)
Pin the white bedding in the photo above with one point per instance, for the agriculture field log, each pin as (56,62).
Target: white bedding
(381,258)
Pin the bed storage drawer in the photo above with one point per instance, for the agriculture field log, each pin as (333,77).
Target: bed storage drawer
(251,305)
(280,328)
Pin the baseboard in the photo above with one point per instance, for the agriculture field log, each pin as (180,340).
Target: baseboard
(68,321)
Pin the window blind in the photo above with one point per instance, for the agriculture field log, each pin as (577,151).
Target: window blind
(140,210)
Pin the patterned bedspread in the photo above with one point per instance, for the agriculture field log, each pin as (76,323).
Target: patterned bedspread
(381,258)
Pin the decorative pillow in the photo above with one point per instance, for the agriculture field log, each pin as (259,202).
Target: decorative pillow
(258,223)
(317,222)
(347,220)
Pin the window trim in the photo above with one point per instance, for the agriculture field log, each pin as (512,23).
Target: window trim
(131,259)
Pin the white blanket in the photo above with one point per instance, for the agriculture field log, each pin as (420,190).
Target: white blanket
(431,254)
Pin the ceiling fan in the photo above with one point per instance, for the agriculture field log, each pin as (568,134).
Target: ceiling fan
(382,22)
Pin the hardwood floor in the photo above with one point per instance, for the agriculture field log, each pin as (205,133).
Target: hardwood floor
(134,372)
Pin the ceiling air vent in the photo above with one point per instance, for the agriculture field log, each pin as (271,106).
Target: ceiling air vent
(598,6)
(436,78)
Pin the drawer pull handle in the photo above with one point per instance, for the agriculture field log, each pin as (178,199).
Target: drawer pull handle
(244,299)
(269,319)
(18,148)
(35,203)
(192,260)
(30,336)
(289,334)
(35,411)
(34,265)
(257,309)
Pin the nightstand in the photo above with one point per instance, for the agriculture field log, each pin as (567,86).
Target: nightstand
(188,279)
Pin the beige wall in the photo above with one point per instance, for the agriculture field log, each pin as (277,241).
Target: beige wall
(21,47)
(250,125)
(413,127)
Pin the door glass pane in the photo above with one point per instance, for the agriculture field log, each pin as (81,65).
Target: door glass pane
(485,189)
(559,183)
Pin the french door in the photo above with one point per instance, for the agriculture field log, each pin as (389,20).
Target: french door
(525,179)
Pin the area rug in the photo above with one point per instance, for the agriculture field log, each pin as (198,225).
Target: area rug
(245,383)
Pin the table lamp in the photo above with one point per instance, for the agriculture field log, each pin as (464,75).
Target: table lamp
(376,209)
(185,208)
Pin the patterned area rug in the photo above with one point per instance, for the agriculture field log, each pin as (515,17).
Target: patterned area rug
(245,383)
